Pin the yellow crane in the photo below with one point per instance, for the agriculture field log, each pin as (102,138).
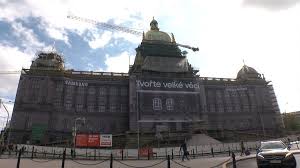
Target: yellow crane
(120,28)
(10,72)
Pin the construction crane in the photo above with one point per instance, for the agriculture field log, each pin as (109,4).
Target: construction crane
(120,28)
(10,72)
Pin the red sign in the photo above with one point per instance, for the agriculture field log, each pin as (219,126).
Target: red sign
(93,140)
(87,140)
(146,151)
(82,140)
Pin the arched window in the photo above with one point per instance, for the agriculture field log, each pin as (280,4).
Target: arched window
(170,104)
(102,91)
(157,104)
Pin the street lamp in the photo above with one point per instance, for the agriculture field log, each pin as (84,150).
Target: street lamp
(7,123)
(75,129)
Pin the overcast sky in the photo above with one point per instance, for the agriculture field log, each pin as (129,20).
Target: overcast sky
(263,33)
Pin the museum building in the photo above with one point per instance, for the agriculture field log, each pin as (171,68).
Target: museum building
(162,92)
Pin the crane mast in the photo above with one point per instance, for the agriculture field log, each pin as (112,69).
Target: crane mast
(120,28)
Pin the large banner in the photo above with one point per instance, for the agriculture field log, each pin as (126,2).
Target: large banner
(106,140)
(93,140)
(172,100)
(167,84)
(81,140)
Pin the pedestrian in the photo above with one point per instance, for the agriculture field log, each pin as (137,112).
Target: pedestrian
(72,153)
(242,148)
(247,152)
(183,147)
(289,143)
(298,139)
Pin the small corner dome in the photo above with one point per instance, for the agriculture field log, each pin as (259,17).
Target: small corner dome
(48,61)
(155,35)
(248,73)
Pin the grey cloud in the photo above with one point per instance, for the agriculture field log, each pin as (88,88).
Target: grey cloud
(271,4)
(6,2)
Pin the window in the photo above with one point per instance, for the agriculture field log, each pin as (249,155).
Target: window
(80,91)
(65,124)
(90,108)
(91,99)
(235,102)
(69,97)
(92,91)
(68,105)
(124,108)
(102,91)
(234,93)
(113,108)
(59,87)
(157,104)
(80,95)
(28,122)
(124,91)
(80,99)
(101,109)
(52,123)
(79,107)
(34,90)
(113,91)
(219,101)
(57,99)
(227,101)
(170,104)
(101,100)
(57,103)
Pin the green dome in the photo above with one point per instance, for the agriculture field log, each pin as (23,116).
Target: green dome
(48,61)
(248,73)
(155,35)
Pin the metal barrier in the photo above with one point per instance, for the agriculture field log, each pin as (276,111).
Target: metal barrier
(41,155)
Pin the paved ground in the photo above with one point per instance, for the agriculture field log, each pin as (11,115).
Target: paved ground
(193,163)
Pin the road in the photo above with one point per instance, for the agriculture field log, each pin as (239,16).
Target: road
(251,163)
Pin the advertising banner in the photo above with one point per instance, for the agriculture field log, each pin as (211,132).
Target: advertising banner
(173,97)
(81,140)
(144,152)
(106,140)
(93,140)
(188,85)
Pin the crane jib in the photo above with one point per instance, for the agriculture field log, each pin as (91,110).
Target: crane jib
(121,28)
